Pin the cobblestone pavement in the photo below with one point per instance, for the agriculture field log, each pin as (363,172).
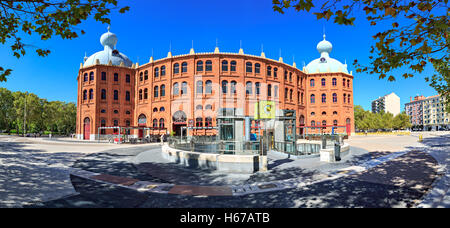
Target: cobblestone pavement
(390,183)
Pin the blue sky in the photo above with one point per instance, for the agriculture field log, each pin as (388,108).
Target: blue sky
(153,25)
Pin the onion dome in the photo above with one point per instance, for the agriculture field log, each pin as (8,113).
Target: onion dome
(325,64)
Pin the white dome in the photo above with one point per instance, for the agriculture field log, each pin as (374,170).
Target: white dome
(325,64)
(109,54)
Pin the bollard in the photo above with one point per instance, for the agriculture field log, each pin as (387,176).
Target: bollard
(420,138)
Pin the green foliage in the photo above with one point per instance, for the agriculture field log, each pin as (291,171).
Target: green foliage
(418,34)
(366,120)
(47,18)
(40,114)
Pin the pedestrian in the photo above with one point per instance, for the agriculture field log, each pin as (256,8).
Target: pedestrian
(162,139)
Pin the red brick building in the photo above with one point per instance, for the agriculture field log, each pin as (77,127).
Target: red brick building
(189,90)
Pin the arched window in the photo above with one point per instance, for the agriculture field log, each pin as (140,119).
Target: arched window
(208,107)
(127,78)
(146,75)
(155,109)
(286,93)
(141,76)
(163,90)
(313,123)
(313,113)
(116,124)
(200,66)
(155,91)
(161,123)
(208,65)
(184,88)
(335,122)
(145,93)
(155,123)
(343,82)
(345,98)
(224,65)
(224,87)
(290,94)
(85,95)
(176,89)
(163,70)
(103,94)
(233,66)
(127,96)
(184,67)
(116,95)
(285,75)
(324,82)
(140,94)
(156,72)
(199,122)
(275,72)
(302,98)
(290,76)
(334,98)
(348,83)
(199,107)
(313,99)
(208,87)
(85,77)
(233,87)
(348,121)
(103,76)
(103,124)
(312,83)
(324,123)
(208,122)
(128,112)
(257,68)
(176,68)
(116,77)
(324,113)
(269,71)
(335,113)
(258,88)
(199,87)
(348,99)
(162,109)
(275,91)
(269,90)
(334,82)
(248,67)
(248,88)
(324,98)
(91,94)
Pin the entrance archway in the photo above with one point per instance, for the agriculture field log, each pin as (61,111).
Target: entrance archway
(179,119)
(142,122)
(87,129)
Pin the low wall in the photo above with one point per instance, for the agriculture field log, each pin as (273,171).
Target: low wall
(228,163)
(328,155)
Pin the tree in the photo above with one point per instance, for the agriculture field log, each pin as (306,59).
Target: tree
(401,121)
(6,109)
(47,18)
(418,34)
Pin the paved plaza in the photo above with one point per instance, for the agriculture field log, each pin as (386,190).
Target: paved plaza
(380,171)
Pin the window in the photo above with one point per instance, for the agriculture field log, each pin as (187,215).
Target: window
(285,75)
(145,93)
(313,113)
(184,67)
(324,113)
(161,123)
(141,76)
(323,82)
(348,99)
(103,124)
(146,75)
(313,99)
(345,98)
(275,91)
(199,107)
(116,77)
(199,122)
(200,66)
(343,82)
(248,88)
(257,68)
(140,94)
(290,76)
(269,90)
(128,112)
(233,66)
(85,77)
(324,98)
(155,91)
(199,87)
(116,111)
(155,109)
(208,107)
(302,98)
(176,68)
(224,87)
(156,72)
(127,78)
(116,95)
(312,83)
(233,87)
(183,88)
(155,123)
(176,89)
(208,87)
(91,94)
(348,83)
(248,67)
(162,109)
(103,94)
(224,65)
(91,76)
(163,90)
(208,65)
(324,123)
(286,93)
(334,98)
(116,123)
(348,121)
(127,96)
(313,123)
(163,71)
(290,94)
(258,88)
(334,82)
(208,122)
(335,122)
(275,72)
(103,76)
